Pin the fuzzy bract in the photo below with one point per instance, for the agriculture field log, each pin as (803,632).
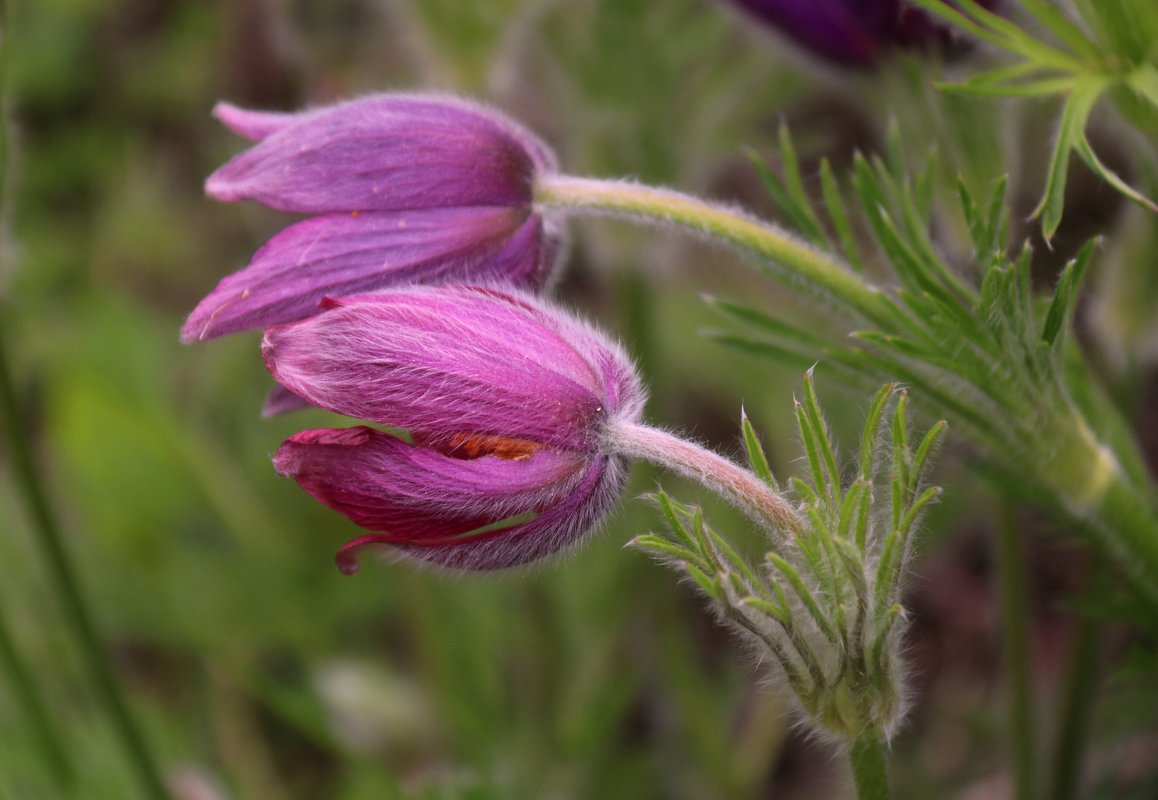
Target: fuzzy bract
(505,403)
(398,189)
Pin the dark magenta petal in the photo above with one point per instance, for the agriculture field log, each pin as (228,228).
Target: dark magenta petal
(452,360)
(525,261)
(855,33)
(341,254)
(432,506)
(383,153)
(850,32)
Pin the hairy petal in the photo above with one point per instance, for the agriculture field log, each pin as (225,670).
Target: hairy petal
(432,505)
(342,254)
(445,360)
(385,153)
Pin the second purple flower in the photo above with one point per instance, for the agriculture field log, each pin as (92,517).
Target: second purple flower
(855,33)
(400,189)
(509,405)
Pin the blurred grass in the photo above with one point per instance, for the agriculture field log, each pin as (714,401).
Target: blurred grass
(258,670)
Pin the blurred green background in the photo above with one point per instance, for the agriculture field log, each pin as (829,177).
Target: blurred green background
(255,667)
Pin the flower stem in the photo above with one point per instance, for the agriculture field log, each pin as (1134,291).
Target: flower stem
(1127,524)
(1012,570)
(1077,705)
(51,745)
(739,486)
(869,770)
(807,266)
(66,585)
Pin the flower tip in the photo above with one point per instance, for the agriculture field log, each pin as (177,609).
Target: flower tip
(221,188)
(253,125)
(288,458)
(190,334)
(281,400)
(346,558)
(269,349)
(346,561)
(198,326)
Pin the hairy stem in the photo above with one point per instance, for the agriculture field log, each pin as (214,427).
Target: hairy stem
(663,206)
(869,767)
(728,479)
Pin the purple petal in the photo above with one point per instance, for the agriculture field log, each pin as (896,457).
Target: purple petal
(342,254)
(526,260)
(857,33)
(386,153)
(281,400)
(850,32)
(432,506)
(255,125)
(441,361)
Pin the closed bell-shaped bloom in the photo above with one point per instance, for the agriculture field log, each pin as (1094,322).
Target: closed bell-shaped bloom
(507,406)
(855,33)
(398,189)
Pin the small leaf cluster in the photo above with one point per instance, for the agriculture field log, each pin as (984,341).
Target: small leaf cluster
(1113,55)
(825,601)
(989,353)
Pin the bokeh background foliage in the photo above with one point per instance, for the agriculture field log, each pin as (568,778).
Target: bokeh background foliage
(257,669)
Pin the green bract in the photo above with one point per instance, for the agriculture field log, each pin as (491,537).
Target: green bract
(826,599)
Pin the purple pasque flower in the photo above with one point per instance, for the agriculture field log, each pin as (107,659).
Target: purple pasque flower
(507,403)
(399,189)
(854,33)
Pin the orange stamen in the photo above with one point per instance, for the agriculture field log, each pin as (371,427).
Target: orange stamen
(477,445)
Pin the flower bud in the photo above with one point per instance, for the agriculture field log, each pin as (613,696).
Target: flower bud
(854,33)
(399,189)
(507,402)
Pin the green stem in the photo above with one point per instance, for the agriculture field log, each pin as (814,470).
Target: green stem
(51,744)
(1087,479)
(1076,708)
(1127,529)
(66,585)
(809,267)
(1012,572)
(869,768)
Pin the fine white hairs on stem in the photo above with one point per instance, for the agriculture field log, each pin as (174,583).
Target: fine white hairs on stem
(738,485)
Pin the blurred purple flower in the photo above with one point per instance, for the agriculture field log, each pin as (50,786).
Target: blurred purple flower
(401,188)
(854,33)
(507,403)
